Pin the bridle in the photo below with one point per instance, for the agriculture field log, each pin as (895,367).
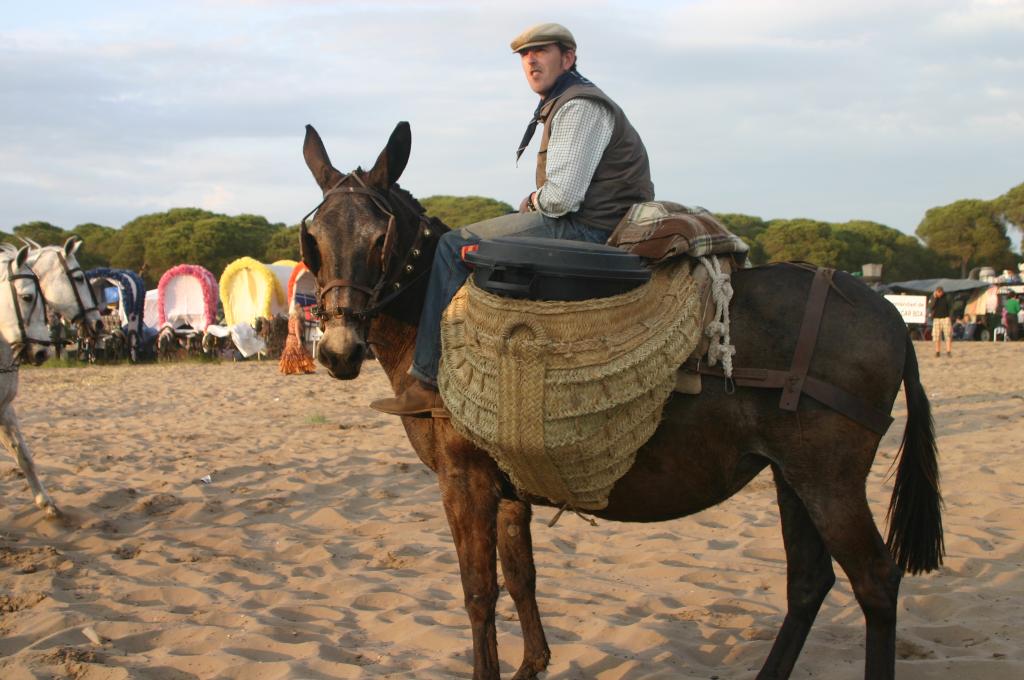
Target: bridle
(394,280)
(70,272)
(13,275)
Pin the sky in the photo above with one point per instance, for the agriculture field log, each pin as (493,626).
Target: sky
(867,109)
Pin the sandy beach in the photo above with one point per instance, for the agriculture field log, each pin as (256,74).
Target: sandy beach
(224,521)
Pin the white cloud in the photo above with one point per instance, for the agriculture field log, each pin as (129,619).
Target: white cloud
(979,17)
(773,107)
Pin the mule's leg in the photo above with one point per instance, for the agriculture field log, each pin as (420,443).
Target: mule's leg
(470,493)
(844,519)
(515,548)
(809,577)
(10,437)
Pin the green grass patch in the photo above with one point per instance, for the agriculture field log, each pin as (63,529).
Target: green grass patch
(63,362)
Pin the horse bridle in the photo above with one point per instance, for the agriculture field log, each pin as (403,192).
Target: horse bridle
(70,273)
(12,276)
(393,282)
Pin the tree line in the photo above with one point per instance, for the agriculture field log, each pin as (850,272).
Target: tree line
(952,238)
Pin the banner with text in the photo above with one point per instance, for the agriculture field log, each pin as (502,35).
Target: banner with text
(913,308)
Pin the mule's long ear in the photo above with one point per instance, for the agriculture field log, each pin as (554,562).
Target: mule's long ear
(317,161)
(392,160)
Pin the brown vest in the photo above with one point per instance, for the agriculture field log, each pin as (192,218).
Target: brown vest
(623,175)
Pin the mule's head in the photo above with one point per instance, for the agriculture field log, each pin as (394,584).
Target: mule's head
(65,285)
(349,247)
(23,310)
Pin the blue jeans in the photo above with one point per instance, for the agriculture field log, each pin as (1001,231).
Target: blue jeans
(449,272)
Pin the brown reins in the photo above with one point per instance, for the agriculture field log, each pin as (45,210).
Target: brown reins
(394,280)
(70,272)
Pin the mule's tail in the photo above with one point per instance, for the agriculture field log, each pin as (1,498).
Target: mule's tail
(915,511)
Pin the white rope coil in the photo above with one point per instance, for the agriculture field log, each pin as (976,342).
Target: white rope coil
(721,348)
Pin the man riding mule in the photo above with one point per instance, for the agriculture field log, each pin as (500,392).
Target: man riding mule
(591,167)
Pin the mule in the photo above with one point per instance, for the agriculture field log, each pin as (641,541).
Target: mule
(368,246)
(24,336)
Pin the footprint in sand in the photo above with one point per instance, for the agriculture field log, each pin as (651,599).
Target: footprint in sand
(160,504)
(15,603)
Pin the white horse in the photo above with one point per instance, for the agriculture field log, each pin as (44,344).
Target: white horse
(63,282)
(24,336)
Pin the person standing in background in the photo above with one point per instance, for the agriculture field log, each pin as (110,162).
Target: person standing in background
(1012,309)
(58,334)
(940,322)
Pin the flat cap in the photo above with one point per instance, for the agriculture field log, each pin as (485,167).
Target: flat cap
(543,34)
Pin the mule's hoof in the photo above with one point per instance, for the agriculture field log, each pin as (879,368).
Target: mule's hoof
(525,674)
(530,670)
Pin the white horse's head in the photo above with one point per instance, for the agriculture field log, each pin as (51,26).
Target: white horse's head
(64,284)
(22,309)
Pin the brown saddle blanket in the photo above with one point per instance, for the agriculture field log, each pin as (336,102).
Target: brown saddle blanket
(661,230)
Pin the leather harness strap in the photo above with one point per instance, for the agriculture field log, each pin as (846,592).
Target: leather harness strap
(796,381)
(806,341)
(344,283)
(398,273)
(70,273)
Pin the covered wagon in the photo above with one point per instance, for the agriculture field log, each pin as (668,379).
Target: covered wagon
(251,290)
(125,289)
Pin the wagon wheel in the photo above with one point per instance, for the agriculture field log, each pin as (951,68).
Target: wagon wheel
(133,347)
(117,346)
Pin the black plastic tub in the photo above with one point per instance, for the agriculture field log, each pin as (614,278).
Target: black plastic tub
(555,269)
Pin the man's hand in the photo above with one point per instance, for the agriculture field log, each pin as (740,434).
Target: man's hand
(527,205)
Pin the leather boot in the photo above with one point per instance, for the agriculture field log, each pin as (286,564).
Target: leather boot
(418,399)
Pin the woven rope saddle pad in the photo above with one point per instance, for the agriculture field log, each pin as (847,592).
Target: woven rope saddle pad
(562,394)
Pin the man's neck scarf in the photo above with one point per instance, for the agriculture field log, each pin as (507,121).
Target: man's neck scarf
(564,82)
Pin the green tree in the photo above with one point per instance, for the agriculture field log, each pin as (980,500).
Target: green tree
(99,245)
(458,211)
(43,233)
(748,228)
(967,232)
(156,242)
(283,245)
(803,240)
(168,247)
(902,256)
(131,254)
(145,232)
(1010,207)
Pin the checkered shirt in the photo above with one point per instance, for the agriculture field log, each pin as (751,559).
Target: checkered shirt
(580,132)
